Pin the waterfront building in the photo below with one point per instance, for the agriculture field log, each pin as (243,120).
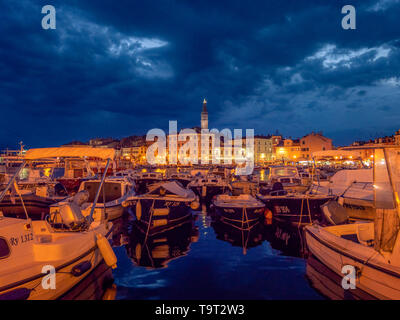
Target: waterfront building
(313,142)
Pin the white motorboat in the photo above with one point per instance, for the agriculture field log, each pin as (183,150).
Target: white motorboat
(288,176)
(114,192)
(43,260)
(354,190)
(370,251)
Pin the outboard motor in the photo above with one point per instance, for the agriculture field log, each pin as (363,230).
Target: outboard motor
(70,214)
(81,197)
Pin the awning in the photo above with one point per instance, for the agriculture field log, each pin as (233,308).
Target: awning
(70,152)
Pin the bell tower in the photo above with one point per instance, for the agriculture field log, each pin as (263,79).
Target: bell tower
(204,116)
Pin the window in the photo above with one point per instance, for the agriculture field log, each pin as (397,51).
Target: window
(4,249)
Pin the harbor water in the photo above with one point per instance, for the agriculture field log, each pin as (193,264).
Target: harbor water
(204,259)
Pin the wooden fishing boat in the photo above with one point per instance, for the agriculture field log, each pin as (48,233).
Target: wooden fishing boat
(167,204)
(242,211)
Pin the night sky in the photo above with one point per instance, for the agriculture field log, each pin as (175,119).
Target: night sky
(122,67)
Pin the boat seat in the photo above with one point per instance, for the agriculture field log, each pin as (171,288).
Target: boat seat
(365,235)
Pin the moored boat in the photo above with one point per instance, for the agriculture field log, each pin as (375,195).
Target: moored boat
(167,204)
(369,250)
(295,208)
(114,192)
(206,187)
(68,248)
(242,211)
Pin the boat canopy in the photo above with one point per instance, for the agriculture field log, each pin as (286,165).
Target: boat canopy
(171,187)
(336,153)
(70,152)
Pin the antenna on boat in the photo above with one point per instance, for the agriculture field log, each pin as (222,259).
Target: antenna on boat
(90,218)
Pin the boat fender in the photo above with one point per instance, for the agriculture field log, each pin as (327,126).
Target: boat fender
(106,251)
(138,252)
(125,204)
(16,294)
(81,268)
(138,210)
(195,205)
(268,214)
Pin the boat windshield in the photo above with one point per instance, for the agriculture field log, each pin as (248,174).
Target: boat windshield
(283,171)
(387,178)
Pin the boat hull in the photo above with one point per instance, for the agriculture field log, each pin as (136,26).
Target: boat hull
(295,210)
(154,216)
(377,279)
(65,281)
(36,206)
(243,218)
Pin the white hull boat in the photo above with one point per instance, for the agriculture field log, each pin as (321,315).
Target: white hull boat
(370,251)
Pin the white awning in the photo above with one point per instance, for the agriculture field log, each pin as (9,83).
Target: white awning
(336,153)
(70,152)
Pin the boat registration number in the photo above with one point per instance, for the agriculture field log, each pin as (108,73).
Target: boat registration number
(15,241)
(282,209)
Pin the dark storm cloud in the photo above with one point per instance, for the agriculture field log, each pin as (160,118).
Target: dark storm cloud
(115,68)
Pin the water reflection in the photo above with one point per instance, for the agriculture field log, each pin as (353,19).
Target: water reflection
(237,237)
(287,239)
(158,250)
(98,285)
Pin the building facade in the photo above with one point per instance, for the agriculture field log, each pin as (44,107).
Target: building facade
(314,142)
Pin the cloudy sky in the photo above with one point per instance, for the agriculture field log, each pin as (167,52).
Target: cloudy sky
(118,68)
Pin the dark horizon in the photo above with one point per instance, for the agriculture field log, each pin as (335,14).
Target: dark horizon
(116,70)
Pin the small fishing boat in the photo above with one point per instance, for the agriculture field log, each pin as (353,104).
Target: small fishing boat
(370,251)
(33,195)
(296,209)
(114,192)
(68,247)
(166,205)
(288,176)
(183,178)
(242,211)
(144,179)
(206,187)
